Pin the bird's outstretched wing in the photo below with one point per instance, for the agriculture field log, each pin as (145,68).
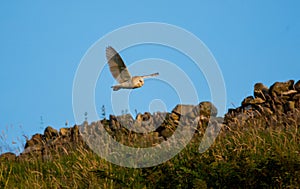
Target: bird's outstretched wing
(116,65)
(151,75)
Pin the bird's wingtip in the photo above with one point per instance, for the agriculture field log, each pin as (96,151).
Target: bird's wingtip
(110,52)
(108,47)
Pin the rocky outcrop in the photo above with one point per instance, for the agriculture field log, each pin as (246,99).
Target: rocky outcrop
(51,143)
(196,117)
(150,129)
(276,105)
(8,156)
(297,86)
(143,131)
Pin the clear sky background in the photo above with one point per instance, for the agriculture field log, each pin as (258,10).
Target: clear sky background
(42,43)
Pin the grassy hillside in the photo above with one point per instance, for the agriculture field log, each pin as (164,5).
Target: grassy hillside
(258,147)
(252,157)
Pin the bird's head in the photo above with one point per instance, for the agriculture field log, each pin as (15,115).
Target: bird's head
(137,81)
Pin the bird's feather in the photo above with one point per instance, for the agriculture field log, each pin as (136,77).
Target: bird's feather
(116,65)
(151,75)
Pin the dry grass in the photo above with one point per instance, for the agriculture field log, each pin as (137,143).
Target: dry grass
(249,155)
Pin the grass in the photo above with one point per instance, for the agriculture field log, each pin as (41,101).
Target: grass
(245,156)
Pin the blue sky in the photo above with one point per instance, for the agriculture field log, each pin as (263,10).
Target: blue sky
(42,44)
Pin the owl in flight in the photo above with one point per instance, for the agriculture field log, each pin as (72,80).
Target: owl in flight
(120,72)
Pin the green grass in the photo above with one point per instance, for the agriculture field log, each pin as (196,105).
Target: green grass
(251,156)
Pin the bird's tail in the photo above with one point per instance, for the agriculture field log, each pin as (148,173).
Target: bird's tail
(115,88)
(151,75)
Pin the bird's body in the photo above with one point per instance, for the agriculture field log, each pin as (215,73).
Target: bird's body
(120,72)
(134,82)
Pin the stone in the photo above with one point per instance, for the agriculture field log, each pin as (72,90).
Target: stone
(290,92)
(281,99)
(144,120)
(36,139)
(289,106)
(64,132)
(159,118)
(257,101)
(182,109)
(267,110)
(232,112)
(252,101)
(205,109)
(261,91)
(146,116)
(282,103)
(175,116)
(155,134)
(75,134)
(296,99)
(125,120)
(279,109)
(8,156)
(139,117)
(280,87)
(247,101)
(194,114)
(297,86)
(50,133)
(36,149)
(166,133)
(113,123)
